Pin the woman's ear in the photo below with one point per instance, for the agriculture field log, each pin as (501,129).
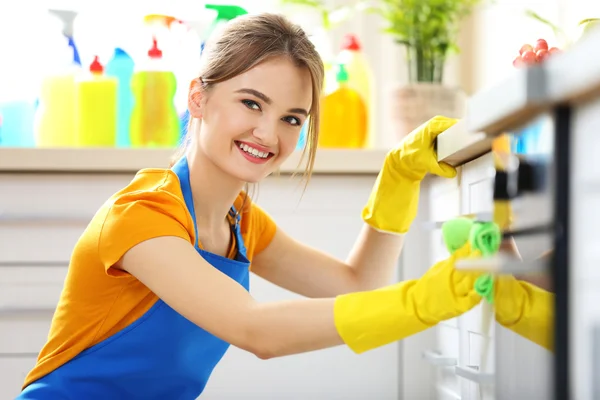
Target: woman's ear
(195,98)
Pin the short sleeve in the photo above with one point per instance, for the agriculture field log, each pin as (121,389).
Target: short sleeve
(138,216)
(264,228)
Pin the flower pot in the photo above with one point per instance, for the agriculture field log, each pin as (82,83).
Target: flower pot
(414,103)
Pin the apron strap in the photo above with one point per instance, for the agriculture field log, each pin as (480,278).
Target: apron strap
(182,171)
(237,230)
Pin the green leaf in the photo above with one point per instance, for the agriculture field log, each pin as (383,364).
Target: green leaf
(585,21)
(558,32)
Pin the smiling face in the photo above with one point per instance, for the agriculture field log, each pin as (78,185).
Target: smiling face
(251,123)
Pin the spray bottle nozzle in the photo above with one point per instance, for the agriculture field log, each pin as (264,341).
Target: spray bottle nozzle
(226,12)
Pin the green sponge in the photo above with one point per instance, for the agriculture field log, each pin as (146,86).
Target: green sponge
(486,237)
(484,286)
(483,236)
(456,232)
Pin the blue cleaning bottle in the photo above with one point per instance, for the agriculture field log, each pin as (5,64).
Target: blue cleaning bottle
(17,122)
(121,66)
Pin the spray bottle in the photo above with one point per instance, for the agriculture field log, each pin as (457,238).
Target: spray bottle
(225,13)
(54,122)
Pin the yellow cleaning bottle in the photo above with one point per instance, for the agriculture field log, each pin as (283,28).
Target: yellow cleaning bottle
(154,119)
(96,108)
(54,122)
(343,122)
(360,79)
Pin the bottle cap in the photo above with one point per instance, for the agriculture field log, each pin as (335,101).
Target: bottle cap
(342,74)
(155,52)
(96,67)
(350,42)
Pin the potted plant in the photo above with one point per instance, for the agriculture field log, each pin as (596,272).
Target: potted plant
(428,30)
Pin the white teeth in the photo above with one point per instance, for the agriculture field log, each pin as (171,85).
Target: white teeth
(252,151)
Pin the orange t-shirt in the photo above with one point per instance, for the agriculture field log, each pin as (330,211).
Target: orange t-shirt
(98,300)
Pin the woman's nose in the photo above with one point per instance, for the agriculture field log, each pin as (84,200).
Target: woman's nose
(266,132)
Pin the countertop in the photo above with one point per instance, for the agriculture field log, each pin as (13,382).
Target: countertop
(115,160)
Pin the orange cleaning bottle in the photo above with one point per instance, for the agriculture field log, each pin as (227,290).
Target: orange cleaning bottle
(343,122)
(96,108)
(154,119)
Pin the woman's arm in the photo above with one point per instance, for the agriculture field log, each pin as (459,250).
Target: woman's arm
(171,268)
(388,214)
(312,273)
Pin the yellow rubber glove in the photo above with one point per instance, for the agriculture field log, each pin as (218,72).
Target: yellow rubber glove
(392,205)
(366,320)
(525,309)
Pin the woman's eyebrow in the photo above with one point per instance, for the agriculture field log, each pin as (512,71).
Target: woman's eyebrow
(301,111)
(256,93)
(268,100)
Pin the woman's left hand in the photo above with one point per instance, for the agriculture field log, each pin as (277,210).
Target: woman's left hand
(392,205)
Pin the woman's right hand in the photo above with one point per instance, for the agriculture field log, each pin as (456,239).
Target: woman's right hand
(367,320)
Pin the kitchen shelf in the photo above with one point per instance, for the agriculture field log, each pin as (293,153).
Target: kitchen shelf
(458,145)
(115,160)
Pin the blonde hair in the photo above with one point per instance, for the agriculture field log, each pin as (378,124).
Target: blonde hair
(250,40)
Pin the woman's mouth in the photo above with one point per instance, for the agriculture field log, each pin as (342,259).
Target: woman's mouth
(253,154)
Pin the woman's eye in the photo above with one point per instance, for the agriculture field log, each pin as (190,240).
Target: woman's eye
(293,121)
(251,104)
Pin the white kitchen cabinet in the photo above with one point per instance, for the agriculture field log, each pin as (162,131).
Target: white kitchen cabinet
(476,361)
(43,215)
(444,204)
(474,340)
(461,339)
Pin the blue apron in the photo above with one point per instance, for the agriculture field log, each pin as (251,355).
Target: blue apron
(160,356)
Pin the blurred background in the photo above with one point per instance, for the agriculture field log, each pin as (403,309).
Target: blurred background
(74,73)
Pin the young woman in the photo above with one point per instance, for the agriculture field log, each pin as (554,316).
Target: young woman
(157,287)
